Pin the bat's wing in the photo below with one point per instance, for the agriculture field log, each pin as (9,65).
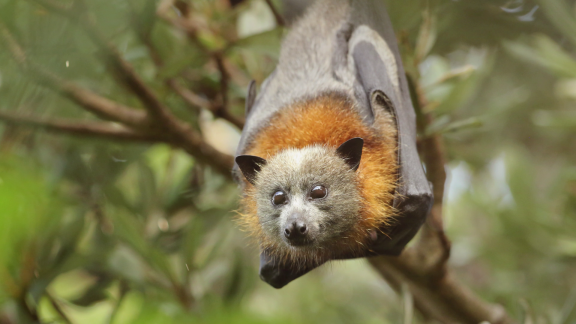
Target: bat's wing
(382,78)
(380,83)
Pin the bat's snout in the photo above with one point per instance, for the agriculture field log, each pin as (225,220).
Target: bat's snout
(297,231)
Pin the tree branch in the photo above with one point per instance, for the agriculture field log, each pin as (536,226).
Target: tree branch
(423,267)
(219,109)
(96,104)
(160,118)
(90,129)
(121,69)
(194,100)
(188,96)
(444,299)
(204,152)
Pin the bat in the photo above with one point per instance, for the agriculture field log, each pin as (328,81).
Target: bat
(327,160)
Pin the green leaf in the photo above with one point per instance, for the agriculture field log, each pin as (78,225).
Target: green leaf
(472,122)
(555,119)
(459,95)
(546,53)
(426,36)
(175,64)
(267,43)
(559,15)
(29,208)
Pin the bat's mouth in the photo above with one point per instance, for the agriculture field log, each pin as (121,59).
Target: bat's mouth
(299,242)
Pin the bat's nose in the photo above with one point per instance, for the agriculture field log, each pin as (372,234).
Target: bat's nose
(296,230)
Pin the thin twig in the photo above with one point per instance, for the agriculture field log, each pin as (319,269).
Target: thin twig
(188,96)
(224,79)
(279,19)
(408,304)
(82,128)
(219,109)
(182,23)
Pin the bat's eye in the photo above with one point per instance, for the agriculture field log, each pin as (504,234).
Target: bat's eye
(279,198)
(318,192)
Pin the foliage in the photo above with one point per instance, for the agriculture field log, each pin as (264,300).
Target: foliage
(100,231)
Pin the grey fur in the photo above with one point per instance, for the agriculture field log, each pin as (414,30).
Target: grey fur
(310,63)
(316,58)
(293,9)
(296,172)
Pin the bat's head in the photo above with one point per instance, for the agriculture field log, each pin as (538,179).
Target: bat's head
(307,199)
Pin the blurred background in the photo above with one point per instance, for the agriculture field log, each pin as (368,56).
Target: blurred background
(98,229)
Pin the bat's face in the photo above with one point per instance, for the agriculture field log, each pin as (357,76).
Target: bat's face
(307,199)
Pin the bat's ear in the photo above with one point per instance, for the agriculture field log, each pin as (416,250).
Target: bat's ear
(250,165)
(351,152)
